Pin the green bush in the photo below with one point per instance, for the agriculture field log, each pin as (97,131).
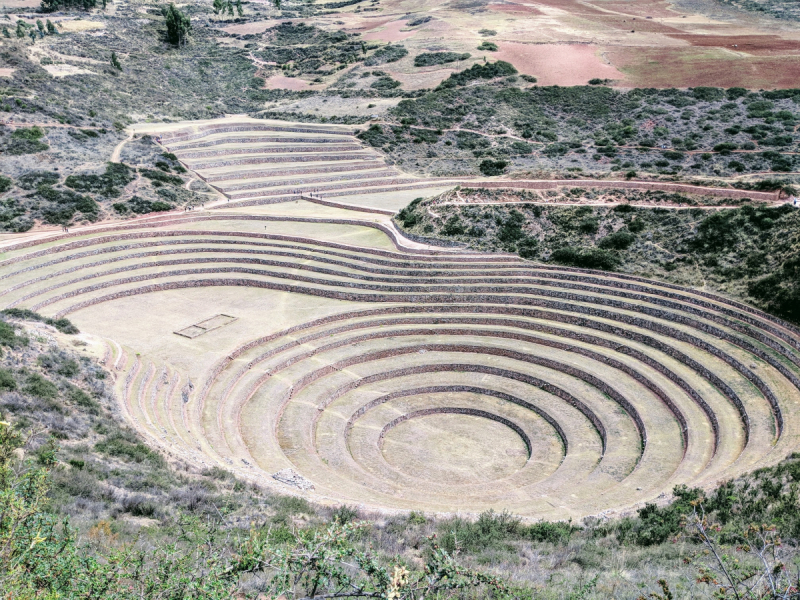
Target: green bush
(619,240)
(488,46)
(63,324)
(428,59)
(493,70)
(7,381)
(5,183)
(38,386)
(585,258)
(109,184)
(492,168)
(128,448)
(33,179)
(386,54)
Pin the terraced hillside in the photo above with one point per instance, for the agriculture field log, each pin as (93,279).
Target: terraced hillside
(255,162)
(307,349)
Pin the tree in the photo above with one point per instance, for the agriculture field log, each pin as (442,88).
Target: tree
(40,26)
(239,9)
(115,62)
(51,29)
(178,25)
(218,6)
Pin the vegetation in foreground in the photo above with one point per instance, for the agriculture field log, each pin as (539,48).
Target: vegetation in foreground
(751,252)
(87,510)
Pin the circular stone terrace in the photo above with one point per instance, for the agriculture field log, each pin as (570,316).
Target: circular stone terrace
(314,350)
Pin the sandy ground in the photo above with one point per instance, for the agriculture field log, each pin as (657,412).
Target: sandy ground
(6,71)
(65,70)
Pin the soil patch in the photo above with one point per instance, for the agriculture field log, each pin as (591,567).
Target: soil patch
(6,72)
(557,64)
(65,70)
(280,82)
(391,33)
(515,9)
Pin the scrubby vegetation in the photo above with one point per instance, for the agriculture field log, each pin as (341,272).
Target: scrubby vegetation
(752,252)
(593,130)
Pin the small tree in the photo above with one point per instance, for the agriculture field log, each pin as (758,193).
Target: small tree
(239,9)
(178,25)
(218,6)
(51,29)
(40,26)
(115,62)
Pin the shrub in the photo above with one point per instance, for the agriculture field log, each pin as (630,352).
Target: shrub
(453,226)
(492,168)
(25,140)
(488,46)
(428,59)
(64,325)
(124,447)
(589,258)
(33,179)
(589,226)
(386,54)
(5,183)
(38,386)
(499,68)
(619,240)
(109,184)
(385,83)
(491,531)
(7,381)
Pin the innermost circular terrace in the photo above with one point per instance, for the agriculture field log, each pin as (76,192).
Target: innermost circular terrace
(449,447)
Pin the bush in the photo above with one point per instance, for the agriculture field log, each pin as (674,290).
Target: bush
(491,531)
(33,179)
(488,46)
(124,447)
(25,140)
(589,258)
(7,381)
(428,59)
(479,71)
(386,54)
(109,184)
(38,386)
(64,325)
(453,226)
(619,240)
(492,168)
(5,183)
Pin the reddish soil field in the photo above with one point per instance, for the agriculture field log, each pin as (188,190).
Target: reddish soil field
(752,44)
(692,66)
(557,64)
(279,82)
(390,33)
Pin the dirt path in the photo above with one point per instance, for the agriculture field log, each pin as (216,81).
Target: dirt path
(118,149)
